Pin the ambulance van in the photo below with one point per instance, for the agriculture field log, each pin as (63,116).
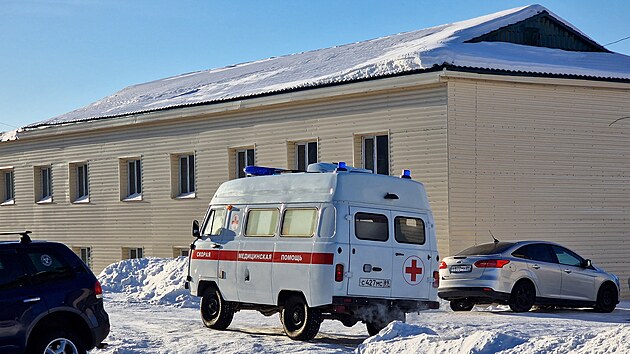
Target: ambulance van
(335,242)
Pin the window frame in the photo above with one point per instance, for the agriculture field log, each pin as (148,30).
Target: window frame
(376,165)
(249,153)
(190,179)
(137,250)
(314,230)
(310,147)
(424,231)
(43,183)
(371,239)
(128,181)
(7,194)
(248,219)
(210,222)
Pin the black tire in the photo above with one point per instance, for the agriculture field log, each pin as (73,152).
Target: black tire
(299,321)
(461,305)
(374,327)
(606,298)
(57,341)
(216,313)
(522,297)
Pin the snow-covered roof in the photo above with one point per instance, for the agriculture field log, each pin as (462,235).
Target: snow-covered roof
(398,54)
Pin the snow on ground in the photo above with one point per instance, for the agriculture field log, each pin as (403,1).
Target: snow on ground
(150,313)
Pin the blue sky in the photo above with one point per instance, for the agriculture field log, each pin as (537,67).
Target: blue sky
(59,55)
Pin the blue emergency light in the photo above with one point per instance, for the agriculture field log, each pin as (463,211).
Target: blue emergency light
(341,166)
(406,174)
(261,171)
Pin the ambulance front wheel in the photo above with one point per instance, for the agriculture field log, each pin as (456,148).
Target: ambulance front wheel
(216,313)
(300,322)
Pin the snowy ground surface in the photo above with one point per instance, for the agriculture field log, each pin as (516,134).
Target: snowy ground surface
(151,314)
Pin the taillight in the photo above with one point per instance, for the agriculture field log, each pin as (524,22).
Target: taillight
(339,272)
(443,265)
(436,277)
(491,263)
(98,290)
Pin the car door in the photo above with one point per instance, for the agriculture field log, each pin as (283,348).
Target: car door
(542,265)
(578,283)
(19,307)
(412,256)
(370,253)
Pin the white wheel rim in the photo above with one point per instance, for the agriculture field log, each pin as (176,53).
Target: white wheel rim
(61,346)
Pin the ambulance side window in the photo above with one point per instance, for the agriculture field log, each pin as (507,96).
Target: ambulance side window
(215,222)
(409,230)
(299,222)
(372,227)
(262,222)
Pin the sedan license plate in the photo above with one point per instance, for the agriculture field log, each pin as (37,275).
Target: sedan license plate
(461,268)
(374,283)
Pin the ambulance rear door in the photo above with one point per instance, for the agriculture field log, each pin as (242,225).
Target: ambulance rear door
(411,245)
(370,253)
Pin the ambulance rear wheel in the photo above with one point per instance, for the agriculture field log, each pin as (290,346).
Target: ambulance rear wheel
(300,322)
(216,313)
(374,327)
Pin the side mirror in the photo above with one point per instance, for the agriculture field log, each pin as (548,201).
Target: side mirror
(588,263)
(195,229)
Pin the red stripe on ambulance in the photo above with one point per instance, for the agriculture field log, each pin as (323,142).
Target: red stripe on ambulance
(268,257)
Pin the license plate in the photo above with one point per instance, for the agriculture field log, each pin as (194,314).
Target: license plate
(461,268)
(374,283)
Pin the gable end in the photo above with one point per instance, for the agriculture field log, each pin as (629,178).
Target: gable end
(542,30)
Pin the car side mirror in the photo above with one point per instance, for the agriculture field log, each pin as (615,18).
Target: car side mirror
(588,263)
(195,229)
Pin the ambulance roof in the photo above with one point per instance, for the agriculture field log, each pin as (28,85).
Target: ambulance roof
(324,187)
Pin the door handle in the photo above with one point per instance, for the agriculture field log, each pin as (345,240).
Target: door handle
(399,254)
(377,269)
(567,271)
(33,299)
(536,266)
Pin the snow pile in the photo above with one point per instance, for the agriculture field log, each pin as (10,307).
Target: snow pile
(158,281)
(10,135)
(399,337)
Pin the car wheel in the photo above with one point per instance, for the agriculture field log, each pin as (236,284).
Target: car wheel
(606,298)
(461,305)
(522,297)
(374,327)
(216,313)
(57,341)
(299,321)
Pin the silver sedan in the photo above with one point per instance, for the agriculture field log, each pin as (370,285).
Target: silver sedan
(525,273)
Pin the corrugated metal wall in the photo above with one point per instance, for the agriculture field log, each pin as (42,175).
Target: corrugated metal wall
(534,161)
(414,118)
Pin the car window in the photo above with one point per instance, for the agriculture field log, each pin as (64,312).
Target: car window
(262,222)
(215,222)
(567,257)
(299,222)
(11,272)
(47,265)
(486,249)
(372,227)
(409,230)
(537,252)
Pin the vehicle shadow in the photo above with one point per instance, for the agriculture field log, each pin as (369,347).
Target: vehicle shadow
(350,341)
(619,315)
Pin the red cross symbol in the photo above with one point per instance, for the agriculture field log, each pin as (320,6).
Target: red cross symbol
(414,270)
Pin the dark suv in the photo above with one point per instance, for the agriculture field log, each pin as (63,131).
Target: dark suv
(50,301)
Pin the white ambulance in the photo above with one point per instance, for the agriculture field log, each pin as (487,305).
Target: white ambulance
(332,243)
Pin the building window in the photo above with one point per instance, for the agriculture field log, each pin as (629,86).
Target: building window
(79,183)
(376,153)
(43,184)
(181,252)
(130,179)
(133,253)
(305,154)
(85,253)
(244,158)
(7,194)
(187,174)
